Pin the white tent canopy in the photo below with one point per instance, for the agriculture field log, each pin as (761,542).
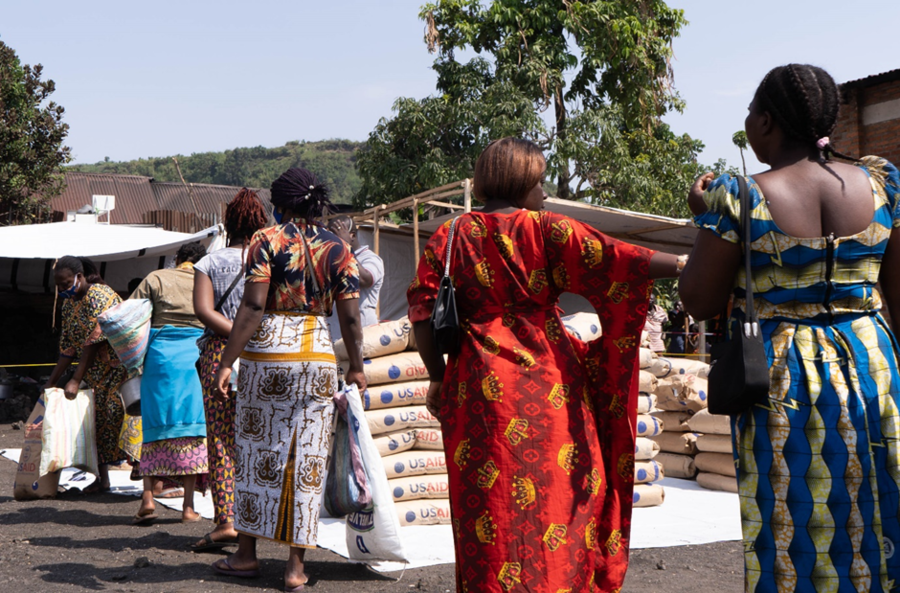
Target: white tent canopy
(122,252)
(101,241)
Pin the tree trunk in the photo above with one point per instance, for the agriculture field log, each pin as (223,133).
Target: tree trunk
(562,181)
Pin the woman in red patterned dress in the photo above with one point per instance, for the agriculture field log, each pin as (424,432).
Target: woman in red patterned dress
(538,426)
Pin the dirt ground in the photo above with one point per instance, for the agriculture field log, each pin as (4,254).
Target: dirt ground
(77,543)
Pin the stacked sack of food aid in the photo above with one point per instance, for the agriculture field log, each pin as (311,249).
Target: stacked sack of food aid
(408,437)
(693,441)
(647,470)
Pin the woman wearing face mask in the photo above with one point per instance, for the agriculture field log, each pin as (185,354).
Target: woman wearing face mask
(86,296)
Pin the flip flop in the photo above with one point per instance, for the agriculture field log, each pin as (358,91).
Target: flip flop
(170,493)
(195,519)
(140,519)
(228,571)
(95,488)
(296,589)
(210,544)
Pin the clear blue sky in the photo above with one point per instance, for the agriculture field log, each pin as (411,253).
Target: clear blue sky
(164,78)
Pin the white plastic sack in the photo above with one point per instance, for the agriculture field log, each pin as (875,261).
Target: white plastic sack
(373,535)
(68,438)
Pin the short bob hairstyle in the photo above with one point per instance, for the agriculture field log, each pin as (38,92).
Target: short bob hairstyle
(508,169)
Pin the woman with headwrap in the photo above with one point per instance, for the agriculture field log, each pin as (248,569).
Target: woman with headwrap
(296,270)
(86,296)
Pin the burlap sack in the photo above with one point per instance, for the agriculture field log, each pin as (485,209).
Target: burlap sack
(429,512)
(646,382)
(677,466)
(647,471)
(681,393)
(645,358)
(414,463)
(673,421)
(380,339)
(716,463)
(391,419)
(661,367)
(648,495)
(394,442)
(584,326)
(393,368)
(416,487)
(429,439)
(646,403)
(714,443)
(682,443)
(717,482)
(648,426)
(708,423)
(395,395)
(645,448)
(29,484)
(689,366)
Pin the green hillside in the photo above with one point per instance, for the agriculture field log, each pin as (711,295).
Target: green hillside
(333,161)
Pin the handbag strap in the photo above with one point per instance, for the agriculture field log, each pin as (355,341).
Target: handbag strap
(751,323)
(230,289)
(450,246)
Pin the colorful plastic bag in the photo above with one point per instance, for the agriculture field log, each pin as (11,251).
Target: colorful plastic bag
(127,327)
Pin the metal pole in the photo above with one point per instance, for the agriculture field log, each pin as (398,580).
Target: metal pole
(467,195)
(702,342)
(416,232)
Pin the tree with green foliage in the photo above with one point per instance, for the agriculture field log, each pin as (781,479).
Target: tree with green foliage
(31,142)
(587,80)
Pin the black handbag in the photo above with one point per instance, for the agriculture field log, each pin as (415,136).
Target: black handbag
(739,371)
(444,319)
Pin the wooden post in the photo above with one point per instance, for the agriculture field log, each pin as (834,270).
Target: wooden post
(416,233)
(467,195)
(376,233)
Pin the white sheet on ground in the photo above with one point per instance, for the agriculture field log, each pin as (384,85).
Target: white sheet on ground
(690,515)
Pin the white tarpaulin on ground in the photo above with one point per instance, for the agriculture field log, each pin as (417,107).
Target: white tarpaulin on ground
(676,522)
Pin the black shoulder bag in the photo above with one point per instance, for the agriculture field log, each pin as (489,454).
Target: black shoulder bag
(739,371)
(444,320)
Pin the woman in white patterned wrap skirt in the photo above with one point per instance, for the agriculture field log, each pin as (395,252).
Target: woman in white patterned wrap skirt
(296,270)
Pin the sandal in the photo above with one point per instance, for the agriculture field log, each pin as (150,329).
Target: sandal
(208,544)
(145,519)
(171,493)
(95,488)
(224,567)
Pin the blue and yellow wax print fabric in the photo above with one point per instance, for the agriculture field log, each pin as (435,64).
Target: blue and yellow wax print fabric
(819,466)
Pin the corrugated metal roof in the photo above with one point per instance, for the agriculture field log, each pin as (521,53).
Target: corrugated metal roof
(889,76)
(136,195)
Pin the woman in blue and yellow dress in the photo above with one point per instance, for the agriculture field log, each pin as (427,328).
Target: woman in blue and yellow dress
(818,464)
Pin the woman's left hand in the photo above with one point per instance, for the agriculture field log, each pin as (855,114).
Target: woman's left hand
(434,400)
(695,195)
(71,389)
(222,385)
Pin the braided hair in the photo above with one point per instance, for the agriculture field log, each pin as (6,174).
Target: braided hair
(80,265)
(805,101)
(244,215)
(299,190)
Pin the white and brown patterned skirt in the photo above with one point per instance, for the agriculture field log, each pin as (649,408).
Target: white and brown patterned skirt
(283,421)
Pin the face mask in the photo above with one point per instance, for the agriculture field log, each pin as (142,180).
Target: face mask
(71,291)
(277,215)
